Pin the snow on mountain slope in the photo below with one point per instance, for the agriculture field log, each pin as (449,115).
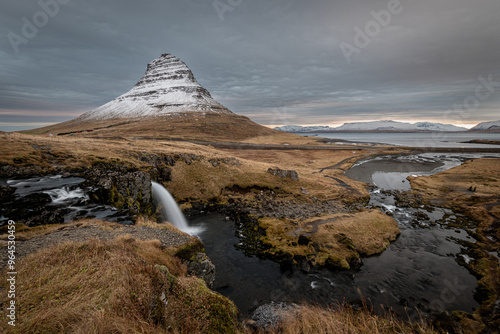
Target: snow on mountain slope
(167,87)
(298,128)
(376,126)
(427,126)
(389,126)
(494,125)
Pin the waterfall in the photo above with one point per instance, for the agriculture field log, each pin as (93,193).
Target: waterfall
(169,209)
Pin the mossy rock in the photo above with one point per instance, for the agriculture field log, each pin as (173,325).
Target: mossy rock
(188,251)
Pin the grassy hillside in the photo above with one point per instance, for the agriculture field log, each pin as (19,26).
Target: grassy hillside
(185,126)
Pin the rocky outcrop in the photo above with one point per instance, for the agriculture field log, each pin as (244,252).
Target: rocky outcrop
(203,268)
(33,210)
(225,161)
(284,173)
(267,203)
(12,171)
(271,316)
(119,186)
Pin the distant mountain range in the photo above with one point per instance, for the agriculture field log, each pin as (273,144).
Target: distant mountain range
(390,126)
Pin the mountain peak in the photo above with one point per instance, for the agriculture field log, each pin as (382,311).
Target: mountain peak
(487,126)
(168,86)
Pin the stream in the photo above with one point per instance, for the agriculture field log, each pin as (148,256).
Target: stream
(54,199)
(417,271)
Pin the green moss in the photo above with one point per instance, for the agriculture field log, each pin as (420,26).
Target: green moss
(117,200)
(188,251)
(213,312)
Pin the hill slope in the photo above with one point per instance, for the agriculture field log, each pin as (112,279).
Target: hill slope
(487,126)
(167,102)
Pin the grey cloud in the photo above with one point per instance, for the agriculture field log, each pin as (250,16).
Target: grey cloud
(275,61)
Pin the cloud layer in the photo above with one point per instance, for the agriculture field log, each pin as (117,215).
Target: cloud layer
(278,62)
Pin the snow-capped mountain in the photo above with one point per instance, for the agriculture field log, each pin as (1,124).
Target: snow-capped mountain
(298,128)
(376,126)
(494,125)
(388,126)
(167,87)
(427,126)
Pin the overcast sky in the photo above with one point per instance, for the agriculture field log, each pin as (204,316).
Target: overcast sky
(278,62)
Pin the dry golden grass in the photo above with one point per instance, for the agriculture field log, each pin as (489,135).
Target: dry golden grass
(186,126)
(340,237)
(450,189)
(145,221)
(344,320)
(25,233)
(112,287)
(454,183)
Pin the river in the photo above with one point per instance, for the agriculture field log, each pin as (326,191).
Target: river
(418,271)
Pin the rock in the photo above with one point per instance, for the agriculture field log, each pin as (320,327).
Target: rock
(225,161)
(116,185)
(270,316)
(303,240)
(284,173)
(6,193)
(203,268)
(33,210)
(421,215)
(11,171)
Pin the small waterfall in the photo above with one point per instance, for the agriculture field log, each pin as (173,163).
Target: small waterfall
(169,209)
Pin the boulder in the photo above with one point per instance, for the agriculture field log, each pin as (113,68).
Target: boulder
(203,268)
(284,173)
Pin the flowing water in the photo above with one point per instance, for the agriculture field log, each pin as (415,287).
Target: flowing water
(169,209)
(418,271)
(67,197)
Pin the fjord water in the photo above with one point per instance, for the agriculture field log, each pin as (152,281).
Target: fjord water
(418,271)
(438,139)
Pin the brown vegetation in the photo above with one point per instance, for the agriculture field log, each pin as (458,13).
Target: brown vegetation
(117,286)
(121,286)
(344,320)
(185,126)
(334,240)
(473,189)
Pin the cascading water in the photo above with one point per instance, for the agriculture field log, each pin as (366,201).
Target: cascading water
(169,209)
